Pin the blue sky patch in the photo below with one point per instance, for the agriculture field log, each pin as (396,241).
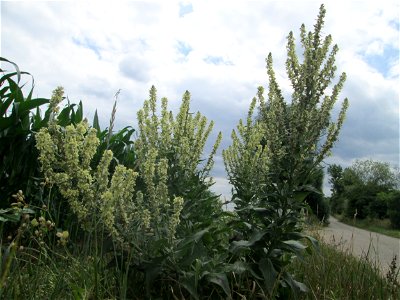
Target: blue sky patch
(184,48)
(395,24)
(382,63)
(87,43)
(185,9)
(217,60)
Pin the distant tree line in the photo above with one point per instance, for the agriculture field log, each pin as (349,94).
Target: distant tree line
(366,189)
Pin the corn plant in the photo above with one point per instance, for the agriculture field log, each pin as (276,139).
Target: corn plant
(17,167)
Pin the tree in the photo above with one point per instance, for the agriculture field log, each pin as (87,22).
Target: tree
(336,173)
(337,188)
(365,180)
(375,173)
(393,203)
(315,199)
(359,189)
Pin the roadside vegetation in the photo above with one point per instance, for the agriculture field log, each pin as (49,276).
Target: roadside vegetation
(367,195)
(332,272)
(92,213)
(382,226)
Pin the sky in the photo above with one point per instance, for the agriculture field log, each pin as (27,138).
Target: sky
(214,49)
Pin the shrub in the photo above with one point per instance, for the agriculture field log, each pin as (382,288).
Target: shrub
(393,203)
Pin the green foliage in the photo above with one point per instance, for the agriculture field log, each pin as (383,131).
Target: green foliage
(359,200)
(180,141)
(334,273)
(151,226)
(315,199)
(272,158)
(17,167)
(374,173)
(393,204)
(363,190)
(337,188)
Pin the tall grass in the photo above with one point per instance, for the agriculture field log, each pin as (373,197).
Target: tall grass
(382,226)
(332,272)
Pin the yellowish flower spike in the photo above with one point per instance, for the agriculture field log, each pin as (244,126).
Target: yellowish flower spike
(65,156)
(246,160)
(186,135)
(164,141)
(289,139)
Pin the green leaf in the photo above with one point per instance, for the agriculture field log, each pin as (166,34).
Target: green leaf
(194,238)
(256,237)
(5,105)
(64,118)
(37,119)
(10,217)
(296,286)
(96,124)
(295,244)
(15,66)
(15,91)
(221,280)
(26,106)
(6,123)
(189,283)
(300,196)
(240,267)
(26,210)
(79,113)
(269,273)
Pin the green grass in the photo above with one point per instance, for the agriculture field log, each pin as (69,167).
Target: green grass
(333,273)
(374,225)
(329,272)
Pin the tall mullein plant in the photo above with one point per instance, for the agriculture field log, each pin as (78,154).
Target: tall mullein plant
(300,134)
(247,160)
(184,136)
(291,139)
(176,143)
(305,130)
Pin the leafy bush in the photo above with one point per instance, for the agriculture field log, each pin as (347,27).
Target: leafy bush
(315,199)
(360,189)
(359,197)
(393,203)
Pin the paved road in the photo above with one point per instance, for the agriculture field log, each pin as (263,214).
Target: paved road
(380,248)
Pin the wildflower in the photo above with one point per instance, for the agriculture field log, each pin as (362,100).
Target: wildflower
(56,99)
(146,218)
(63,237)
(174,220)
